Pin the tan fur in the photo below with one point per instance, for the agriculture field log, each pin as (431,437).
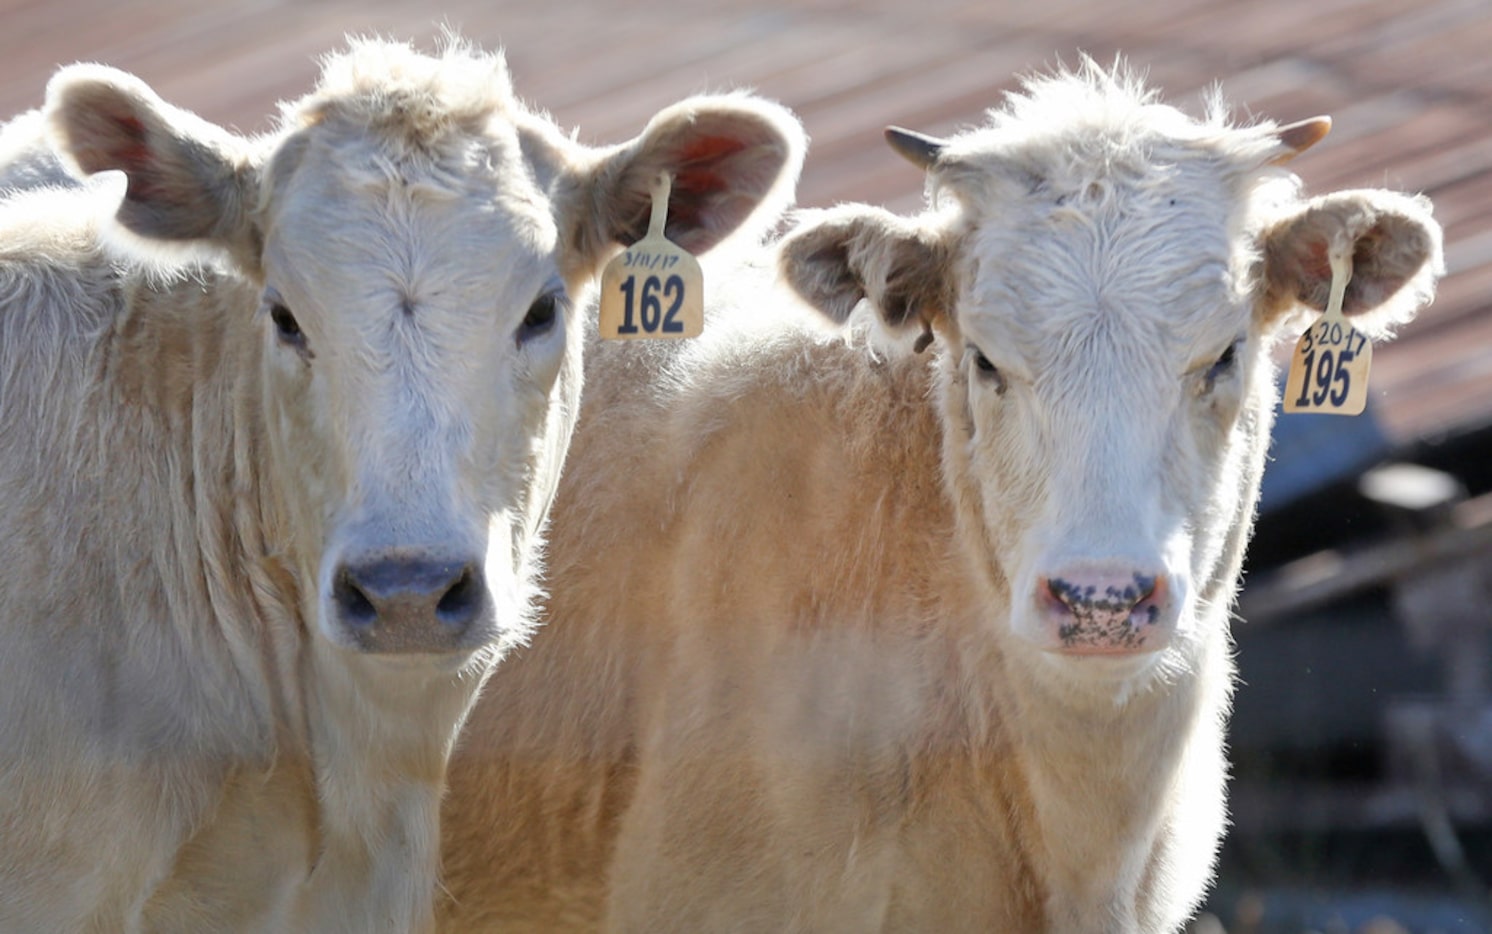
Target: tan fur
(188,742)
(781,686)
(789,717)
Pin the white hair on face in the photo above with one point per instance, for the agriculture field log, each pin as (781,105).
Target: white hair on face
(390,84)
(1084,128)
(428,116)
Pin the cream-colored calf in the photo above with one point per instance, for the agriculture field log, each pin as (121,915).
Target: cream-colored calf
(280,422)
(845,639)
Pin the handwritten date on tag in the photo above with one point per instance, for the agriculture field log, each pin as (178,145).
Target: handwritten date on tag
(654,288)
(1329,369)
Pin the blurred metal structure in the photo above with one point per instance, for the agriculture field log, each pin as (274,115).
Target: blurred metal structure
(1419,583)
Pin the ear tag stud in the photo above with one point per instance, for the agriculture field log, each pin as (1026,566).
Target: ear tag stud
(654,288)
(1329,369)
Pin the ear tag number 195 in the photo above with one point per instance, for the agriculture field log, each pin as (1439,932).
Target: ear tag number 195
(653,289)
(1329,369)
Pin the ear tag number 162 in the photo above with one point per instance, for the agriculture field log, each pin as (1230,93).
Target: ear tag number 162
(1329,369)
(654,288)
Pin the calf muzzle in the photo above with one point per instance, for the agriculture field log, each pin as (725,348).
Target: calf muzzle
(1104,611)
(399,603)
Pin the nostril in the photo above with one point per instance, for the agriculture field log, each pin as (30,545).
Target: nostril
(354,603)
(1150,589)
(461,602)
(1085,596)
(1069,594)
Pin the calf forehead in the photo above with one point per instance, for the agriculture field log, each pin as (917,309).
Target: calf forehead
(1087,207)
(401,148)
(347,208)
(1156,268)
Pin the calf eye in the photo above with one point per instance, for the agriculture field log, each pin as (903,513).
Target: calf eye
(987,370)
(286,327)
(540,317)
(1224,364)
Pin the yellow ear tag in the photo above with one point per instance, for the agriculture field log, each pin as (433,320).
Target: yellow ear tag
(654,288)
(1329,369)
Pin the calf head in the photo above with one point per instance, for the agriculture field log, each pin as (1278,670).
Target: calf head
(420,241)
(1102,277)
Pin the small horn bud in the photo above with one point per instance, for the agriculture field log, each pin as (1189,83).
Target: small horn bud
(917,148)
(1296,138)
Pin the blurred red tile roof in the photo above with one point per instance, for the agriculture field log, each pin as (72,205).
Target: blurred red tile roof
(1408,83)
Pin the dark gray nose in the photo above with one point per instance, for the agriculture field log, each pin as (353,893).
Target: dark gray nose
(405,603)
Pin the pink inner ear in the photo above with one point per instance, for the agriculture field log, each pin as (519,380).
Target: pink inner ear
(1316,265)
(133,157)
(697,176)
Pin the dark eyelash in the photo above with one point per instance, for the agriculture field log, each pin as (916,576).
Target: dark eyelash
(1224,363)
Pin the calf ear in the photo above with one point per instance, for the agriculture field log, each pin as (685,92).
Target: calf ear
(1396,258)
(186,178)
(836,257)
(734,159)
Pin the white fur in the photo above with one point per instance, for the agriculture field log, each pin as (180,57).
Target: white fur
(192,739)
(795,675)
(26,161)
